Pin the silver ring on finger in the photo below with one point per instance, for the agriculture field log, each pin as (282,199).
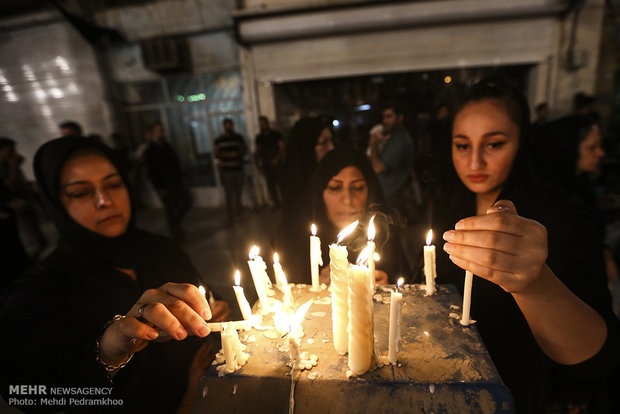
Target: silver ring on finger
(141,312)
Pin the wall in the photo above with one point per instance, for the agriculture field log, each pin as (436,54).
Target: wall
(48,74)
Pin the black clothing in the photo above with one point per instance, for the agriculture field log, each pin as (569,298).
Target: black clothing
(292,240)
(300,158)
(229,150)
(575,256)
(13,256)
(52,315)
(268,143)
(163,165)
(166,175)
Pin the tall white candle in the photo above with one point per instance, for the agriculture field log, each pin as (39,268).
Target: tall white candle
(279,273)
(338,257)
(372,247)
(430,269)
(361,339)
(257,277)
(244,305)
(396,302)
(261,267)
(469,279)
(316,258)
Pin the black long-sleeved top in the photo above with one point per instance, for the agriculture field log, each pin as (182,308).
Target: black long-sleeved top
(162,163)
(50,319)
(574,255)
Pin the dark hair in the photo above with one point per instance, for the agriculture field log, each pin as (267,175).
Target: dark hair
(541,106)
(394,106)
(227,120)
(263,118)
(72,125)
(6,142)
(556,146)
(500,89)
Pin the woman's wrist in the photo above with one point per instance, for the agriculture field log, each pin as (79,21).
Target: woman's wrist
(110,359)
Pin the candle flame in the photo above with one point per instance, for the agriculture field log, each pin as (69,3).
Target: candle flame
(371,229)
(313,229)
(276,258)
(377,257)
(400,282)
(429,237)
(202,290)
(254,251)
(347,230)
(237,277)
(364,255)
(298,318)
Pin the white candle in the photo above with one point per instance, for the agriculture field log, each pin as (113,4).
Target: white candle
(371,246)
(244,305)
(316,258)
(338,257)
(361,339)
(238,325)
(287,299)
(430,269)
(469,279)
(396,302)
(259,283)
(261,267)
(279,273)
(228,346)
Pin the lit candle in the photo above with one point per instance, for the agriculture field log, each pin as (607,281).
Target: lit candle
(257,277)
(244,305)
(430,269)
(372,247)
(316,258)
(279,273)
(469,279)
(261,267)
(396,303)
(361,339)
(338,263)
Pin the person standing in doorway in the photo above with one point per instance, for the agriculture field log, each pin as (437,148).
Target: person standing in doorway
(229,150)
(394,162)
(269,152)
(166,175)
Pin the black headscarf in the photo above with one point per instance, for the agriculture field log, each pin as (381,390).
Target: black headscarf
(556,147)
(291,240)
(301,156)
(124,251)
(333,162)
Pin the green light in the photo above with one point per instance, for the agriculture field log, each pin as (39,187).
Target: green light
(180,98)
(202,96)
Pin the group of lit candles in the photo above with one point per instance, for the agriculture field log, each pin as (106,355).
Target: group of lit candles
(352,286)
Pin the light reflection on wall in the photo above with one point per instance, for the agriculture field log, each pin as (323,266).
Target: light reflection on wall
(7,88)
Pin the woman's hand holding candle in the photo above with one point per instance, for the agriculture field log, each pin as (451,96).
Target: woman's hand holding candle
(500,246)
(178,309)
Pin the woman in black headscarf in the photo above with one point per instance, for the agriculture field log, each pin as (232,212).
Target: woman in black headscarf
(566,151)
(540,299)
(53,318)
(343,188)
(310,139)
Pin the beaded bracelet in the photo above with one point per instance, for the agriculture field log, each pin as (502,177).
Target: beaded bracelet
(109,367)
